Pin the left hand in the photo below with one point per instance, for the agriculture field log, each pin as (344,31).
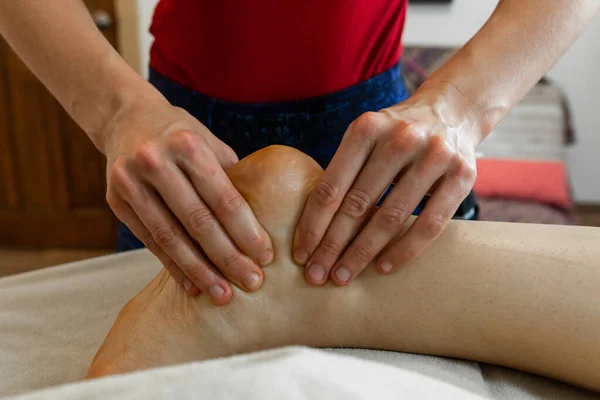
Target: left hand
(428,144)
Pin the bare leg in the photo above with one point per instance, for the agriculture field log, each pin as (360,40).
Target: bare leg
(523,296)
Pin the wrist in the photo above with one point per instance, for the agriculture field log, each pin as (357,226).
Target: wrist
(456,109)
(118,88)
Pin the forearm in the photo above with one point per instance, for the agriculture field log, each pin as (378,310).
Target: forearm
(523,296)
(513,50)
(60,43)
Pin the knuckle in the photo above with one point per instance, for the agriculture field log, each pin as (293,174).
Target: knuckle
(409,253)
(196,274)
(434,225)
(200,221)
(363,254)
(440,151)
(186,144)
(164,236)
(327,193)
(231,260)
(310,237)
(118,173)
(356,203)
(368,121)
(150,244)
(208,170)
(465,171)
(230,201)
(120,181)
(148,158)
(329,246)
(367,126)
(406,140)
(393,216)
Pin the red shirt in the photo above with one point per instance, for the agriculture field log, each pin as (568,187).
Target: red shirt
(252,51)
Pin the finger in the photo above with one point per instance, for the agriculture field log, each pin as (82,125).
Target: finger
(381,168)
(325,199)
(388,220)
(168,234)
(224,154)
(427,227)
(228,206)
(181,197)
(125,213)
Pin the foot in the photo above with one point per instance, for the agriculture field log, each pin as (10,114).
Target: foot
(162,325)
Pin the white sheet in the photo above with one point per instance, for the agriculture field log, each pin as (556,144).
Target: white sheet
(52,321)
(297,373)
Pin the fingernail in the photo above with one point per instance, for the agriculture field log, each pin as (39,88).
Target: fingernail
(316,273)
(187,284)
(216,292)
(301,256)
(386,266)
(343,274)
(252,281)
(266,258)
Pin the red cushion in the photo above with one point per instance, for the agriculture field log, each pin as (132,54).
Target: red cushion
(543,181)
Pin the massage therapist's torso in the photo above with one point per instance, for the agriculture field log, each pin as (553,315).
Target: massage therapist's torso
(263,51)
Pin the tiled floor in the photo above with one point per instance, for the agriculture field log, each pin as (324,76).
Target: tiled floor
(14,261)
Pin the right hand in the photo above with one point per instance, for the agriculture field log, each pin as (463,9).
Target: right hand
(166,182)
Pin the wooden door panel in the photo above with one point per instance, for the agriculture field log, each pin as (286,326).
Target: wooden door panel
(79,228)
(35,119)
(86,172)
(52,178)
(9,194)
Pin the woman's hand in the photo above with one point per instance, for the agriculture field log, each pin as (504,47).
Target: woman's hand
(425,144)
(166,182)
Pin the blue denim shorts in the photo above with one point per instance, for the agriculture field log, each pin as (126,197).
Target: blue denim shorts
(315,126)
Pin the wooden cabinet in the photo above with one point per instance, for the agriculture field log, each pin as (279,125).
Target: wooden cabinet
(52,178)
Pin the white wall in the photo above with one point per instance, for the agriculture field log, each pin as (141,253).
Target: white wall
(145,11)
(453,25)
(578,74)
(446,25)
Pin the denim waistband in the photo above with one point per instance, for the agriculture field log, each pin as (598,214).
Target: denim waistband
(373,90)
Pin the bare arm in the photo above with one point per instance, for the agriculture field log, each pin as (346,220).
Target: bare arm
(60,43)
(513,50)
(428,143)
(165,169)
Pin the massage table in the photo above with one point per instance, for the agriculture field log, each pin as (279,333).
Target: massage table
(53,320)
